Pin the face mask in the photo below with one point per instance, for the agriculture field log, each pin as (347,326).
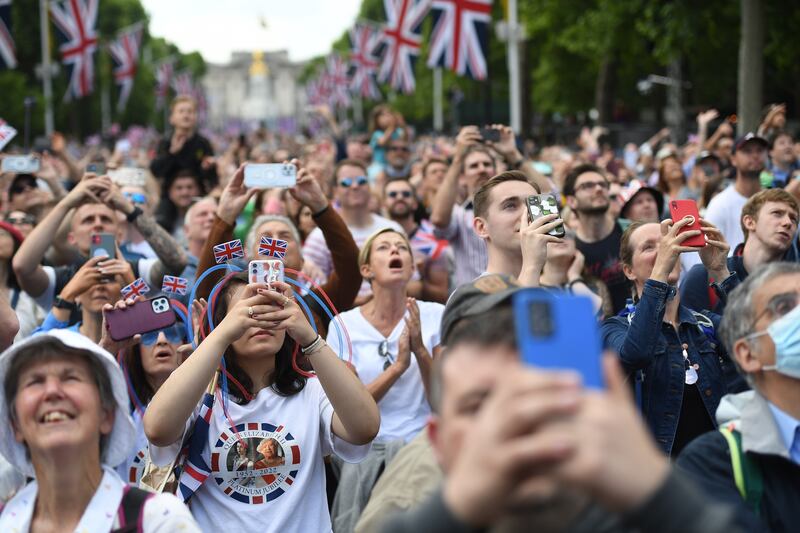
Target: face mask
(785,334)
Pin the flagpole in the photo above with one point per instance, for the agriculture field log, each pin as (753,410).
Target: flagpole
(438,111)
(358,110)
(47,84)
(512,46)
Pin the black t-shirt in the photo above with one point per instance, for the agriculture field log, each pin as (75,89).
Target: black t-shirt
(602,261)
(694,419)
(166,165)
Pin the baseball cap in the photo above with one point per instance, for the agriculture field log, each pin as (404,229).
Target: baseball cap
(705,154)
(481,295)
(635,187)
(750,137)
(123,433)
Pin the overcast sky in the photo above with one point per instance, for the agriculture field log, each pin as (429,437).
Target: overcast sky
(216,28)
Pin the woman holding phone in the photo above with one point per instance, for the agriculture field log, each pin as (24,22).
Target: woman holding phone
(681,372)
(267,397)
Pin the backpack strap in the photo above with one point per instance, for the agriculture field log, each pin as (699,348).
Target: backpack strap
(131,509)
(746,472)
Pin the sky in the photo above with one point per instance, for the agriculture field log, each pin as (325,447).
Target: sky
(215,28)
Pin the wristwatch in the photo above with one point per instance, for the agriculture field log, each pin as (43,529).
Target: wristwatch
(61,303)
(133,215)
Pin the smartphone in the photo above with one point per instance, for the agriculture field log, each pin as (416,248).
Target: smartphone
(103,245)
(541,205)
(490,134)
(681,208)
(96,168)
(128,177)
(21,164)
(559,332)
(270,175)
(265,271)
(142,317)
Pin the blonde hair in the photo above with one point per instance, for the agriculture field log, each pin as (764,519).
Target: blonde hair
(366,250)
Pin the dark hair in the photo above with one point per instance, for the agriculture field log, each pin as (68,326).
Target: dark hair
(284,379)
(433,161)
(662,184)
(777,135)
(480,202)
(166,213)
(347,163)
(572,177)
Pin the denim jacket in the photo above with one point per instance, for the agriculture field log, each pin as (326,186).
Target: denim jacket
(646,343)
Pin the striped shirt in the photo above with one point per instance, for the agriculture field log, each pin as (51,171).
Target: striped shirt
(471,256)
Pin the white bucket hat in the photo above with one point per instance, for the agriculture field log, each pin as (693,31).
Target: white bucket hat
(123,434)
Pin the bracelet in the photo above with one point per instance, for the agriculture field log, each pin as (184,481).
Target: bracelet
(133,215)
(576,280)
(313,347)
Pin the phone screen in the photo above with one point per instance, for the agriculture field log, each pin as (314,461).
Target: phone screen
(270,175)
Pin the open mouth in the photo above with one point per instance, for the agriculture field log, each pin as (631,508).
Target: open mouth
(54,417)
(162,354)
(396,263)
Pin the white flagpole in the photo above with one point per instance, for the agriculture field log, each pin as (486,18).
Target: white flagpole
(438,112)
(358,110)
(47,85)
(512,46)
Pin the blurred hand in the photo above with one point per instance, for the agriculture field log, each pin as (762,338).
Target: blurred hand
(109,344)
(533,239)
(670,247)
(234,197)
(58,145)
(307,190)
(468,136)
(704,118)
(714,254)
(90,187)
(414,328)
(177,142)
(84,279)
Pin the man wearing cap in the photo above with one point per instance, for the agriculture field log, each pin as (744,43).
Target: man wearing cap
(749,158)
(65,423)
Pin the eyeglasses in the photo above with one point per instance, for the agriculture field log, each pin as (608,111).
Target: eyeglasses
(17,221)
(399,149)
(136,197)
(591,185)
(348,182)
(395,194)
(780,305)
(383,351)
(175,334)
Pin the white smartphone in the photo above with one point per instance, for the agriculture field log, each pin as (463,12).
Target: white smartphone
(270,175)
(265,271)
(21,164)
(128,177)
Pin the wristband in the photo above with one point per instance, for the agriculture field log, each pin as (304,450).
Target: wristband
(313,347)
(61,303)
(133,215)
(321,211)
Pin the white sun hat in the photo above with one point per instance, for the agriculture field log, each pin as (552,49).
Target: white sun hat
(123,434)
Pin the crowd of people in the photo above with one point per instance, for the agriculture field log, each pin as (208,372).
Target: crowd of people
(378,385)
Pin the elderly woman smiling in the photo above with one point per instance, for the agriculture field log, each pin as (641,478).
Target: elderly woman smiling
(64,421)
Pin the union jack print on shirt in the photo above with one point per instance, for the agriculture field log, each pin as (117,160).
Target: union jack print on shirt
(195,469)
(8,51)
(365,40)
(228,250)
(402,38)
(174,285)
(75,21)
(272,247)
(137,288)
(459,39)
(125,53)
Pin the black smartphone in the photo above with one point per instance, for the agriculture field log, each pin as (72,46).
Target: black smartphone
(541,205)
(490,134)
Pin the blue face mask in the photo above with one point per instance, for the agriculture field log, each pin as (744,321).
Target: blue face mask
(785,334)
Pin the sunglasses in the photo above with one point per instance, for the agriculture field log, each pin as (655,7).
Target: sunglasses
(348,182)
(136,197)
(19,188)
(383,351)
(395,194)
(27,219)
(175,334)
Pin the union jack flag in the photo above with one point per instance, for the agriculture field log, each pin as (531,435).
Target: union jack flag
(402,38)
(125,53)
(337,80)
(459,39)
(425,243)
(137,288)
(182,83)
(164,71)
(317,90)
(174,285)
(228,250)
(75,21)
(8,52)
(195,469)
(272,247)
(365,41)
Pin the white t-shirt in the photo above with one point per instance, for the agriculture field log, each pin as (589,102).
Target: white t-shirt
(404,408)
(316,249)
(163,513)
(132,469)
(251,492)
(725,212)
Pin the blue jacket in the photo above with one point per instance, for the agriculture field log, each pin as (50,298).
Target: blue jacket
(651,349)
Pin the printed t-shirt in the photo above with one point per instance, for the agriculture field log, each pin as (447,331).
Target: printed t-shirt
(404,408)
(602,260)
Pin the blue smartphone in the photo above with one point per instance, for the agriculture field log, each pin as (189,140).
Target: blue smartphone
(559,331)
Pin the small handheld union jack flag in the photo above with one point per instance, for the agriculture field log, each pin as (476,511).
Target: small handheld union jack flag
(228,250)
(137,288)
(174,285)
(272,248)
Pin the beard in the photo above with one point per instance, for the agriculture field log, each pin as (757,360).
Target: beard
(751,174)
(593,209)
(399,211)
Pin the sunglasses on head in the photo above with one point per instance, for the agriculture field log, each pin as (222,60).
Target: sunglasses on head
(27,219)
(136,197)
(348,182)
(175,334)
(395,194)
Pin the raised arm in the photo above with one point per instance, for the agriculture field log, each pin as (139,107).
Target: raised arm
(447,194)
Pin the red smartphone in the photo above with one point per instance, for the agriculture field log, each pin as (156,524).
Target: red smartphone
(141,317)
(679,209)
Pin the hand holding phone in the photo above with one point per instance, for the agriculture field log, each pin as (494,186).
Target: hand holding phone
(141,317)
(103,245)
(682,208)
(541,205)
(270,175)
(490,134)
(265,271)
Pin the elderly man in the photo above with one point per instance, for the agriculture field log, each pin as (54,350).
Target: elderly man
(753,462)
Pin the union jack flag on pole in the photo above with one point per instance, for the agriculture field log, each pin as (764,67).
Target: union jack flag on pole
(272,247)
(75,21)
(460,36)
(338,82)
(174,285)
(138,288)
(164,71)
(365,41)
(182,83)
(125,53)
(401,34)
(228,250)
(8,51)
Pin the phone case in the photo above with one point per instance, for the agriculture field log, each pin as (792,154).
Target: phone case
(103,244)
(543,205)
(267,175)
(141,317)
(490,134)
(559,332)
(681,208)
(265,270)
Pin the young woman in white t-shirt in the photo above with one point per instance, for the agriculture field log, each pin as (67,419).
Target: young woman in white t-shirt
(268,437)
